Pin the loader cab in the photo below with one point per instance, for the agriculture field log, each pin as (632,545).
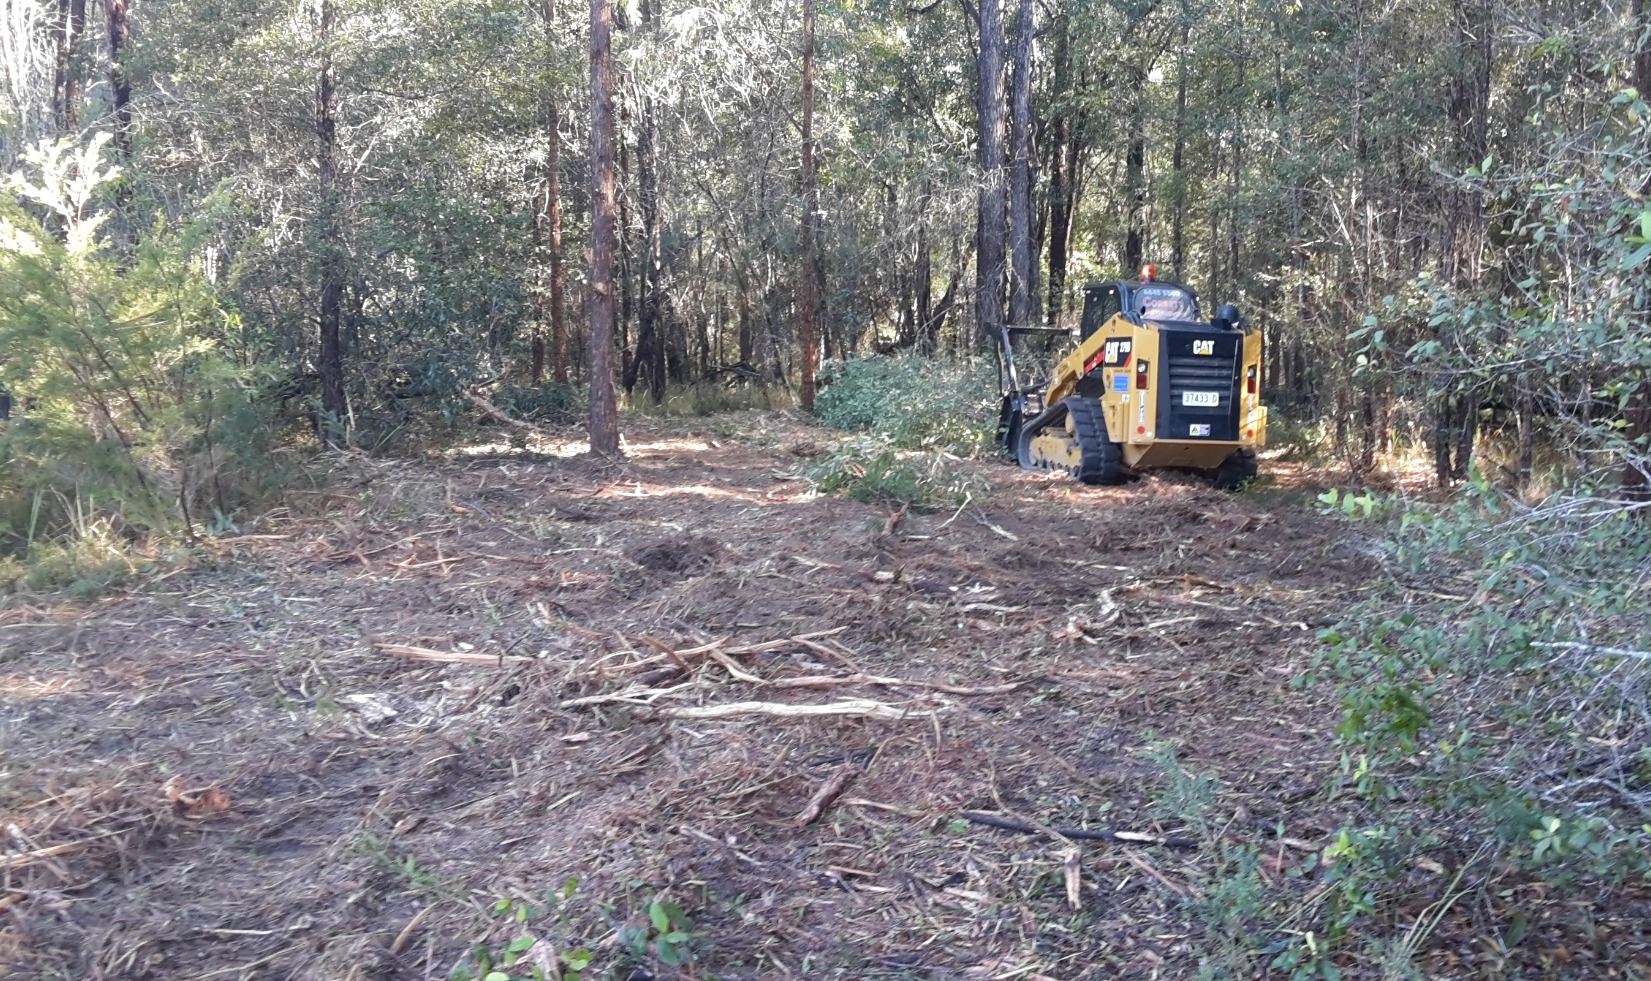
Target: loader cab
(1160,302)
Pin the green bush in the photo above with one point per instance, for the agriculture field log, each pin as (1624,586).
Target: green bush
(127,417)
(911,402)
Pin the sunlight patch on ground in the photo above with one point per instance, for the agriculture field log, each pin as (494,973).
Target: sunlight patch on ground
(636,488)
(576,447)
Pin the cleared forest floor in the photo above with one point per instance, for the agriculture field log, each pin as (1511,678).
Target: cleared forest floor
(265,768)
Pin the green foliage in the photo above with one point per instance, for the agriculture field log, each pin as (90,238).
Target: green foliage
(910,401)
(558,405)
(128,418)
(658,933)
(868,470)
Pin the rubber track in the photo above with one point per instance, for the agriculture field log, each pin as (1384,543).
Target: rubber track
(1099,461)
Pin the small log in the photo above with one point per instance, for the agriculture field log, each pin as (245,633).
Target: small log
(862,707)
(1116,837)
(829,791)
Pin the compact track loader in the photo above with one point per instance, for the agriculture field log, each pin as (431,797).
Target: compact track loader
(1150,384)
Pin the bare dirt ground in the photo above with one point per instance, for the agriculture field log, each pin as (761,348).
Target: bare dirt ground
(330,748)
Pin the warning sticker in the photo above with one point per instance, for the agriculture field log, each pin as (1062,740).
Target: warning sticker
(1198,429)
(1120,382)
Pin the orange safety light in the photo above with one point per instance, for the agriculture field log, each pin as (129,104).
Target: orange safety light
(1149,272)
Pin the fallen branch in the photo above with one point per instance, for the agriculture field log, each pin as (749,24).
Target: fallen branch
(1580,648)
(502,416)
(449,657)
(862,707)
(829,791)
(1117,837)
(9,862)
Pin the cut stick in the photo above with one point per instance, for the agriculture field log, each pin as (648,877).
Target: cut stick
(827,681)
(862,707)
(1116,837)
(449,657)
(19,860)
(828,792)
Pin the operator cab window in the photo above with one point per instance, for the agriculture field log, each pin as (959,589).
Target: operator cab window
(1166,303)
(1105,307)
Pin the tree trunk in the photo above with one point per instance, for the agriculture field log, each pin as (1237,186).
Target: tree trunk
(120,86)
(553,204)
(604,406)
(1178,168)
(1062,140)
(1636,482)
(990,230)
(1135,185)
(66,83)
(1022,288)
(650,334)
(809,329)
(334,407)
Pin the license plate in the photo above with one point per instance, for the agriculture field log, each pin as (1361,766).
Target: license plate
(1201,399)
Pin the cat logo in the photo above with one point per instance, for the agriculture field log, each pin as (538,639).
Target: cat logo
(1117,351)
(1204,347)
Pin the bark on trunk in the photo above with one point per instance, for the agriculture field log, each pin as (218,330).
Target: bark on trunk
(604,407)
(66,81)
(1636,482)
(989,261)
(809,332)
(1061,176)
(120,87)
(1022,288)
(1178,168)
(553,192)
(1135,190)
(334,407)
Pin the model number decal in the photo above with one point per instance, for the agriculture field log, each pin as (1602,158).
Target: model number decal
(1204,347)
(1117,351)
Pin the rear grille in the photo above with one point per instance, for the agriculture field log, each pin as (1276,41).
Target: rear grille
(1202,373)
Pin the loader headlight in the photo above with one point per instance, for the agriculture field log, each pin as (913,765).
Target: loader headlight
(1250,380)
(1141,374)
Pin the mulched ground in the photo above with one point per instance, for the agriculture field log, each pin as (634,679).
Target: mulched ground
(331,747)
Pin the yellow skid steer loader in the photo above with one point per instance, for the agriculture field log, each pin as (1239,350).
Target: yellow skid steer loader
(1150,384)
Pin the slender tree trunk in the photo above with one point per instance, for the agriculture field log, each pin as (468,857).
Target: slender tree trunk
(1636,482)
(604,407)
(120,86)
(1061,139)
(1022,289)
(1178,167)
(334,406)
(650,335)
(924,281)
(553,192)
(541,288)
(1135,185)
(989,261)
(66,83)
(809,330)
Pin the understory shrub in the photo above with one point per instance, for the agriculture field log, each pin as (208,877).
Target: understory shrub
(911,401)
(868,470)
(126,419)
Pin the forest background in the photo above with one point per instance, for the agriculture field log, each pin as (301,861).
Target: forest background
(370,213)
(243,243)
